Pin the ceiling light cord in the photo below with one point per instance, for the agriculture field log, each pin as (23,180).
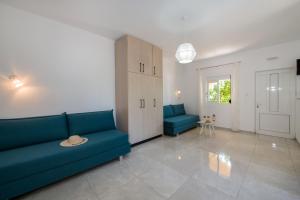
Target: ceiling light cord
(185,52)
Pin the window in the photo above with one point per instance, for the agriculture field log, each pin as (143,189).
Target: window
(219,90)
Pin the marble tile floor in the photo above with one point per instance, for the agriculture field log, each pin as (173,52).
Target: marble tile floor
(191,167)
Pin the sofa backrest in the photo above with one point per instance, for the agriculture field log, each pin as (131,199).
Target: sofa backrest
(90,122)
(173,110)
(178,109)
(168,111)
(28,131)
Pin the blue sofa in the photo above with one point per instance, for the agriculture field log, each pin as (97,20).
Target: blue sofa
(176,121)
(31,157)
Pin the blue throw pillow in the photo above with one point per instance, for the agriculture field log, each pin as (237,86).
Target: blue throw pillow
(168,111)
(178,109)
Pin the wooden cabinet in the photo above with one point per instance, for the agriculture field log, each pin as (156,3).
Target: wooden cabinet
(138,89)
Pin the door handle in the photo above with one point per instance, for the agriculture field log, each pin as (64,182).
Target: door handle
(140,67)
(154,70)
(143,67)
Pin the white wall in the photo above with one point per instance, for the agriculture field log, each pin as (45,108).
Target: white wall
(172,80)
(251,61)
(64,68)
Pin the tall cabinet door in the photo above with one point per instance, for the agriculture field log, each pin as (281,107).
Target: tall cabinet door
(153,111)
(158,105)
(157,62)
(150,114)
(135,107)
(146,58)
(134,47)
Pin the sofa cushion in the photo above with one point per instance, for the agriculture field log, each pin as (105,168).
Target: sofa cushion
(85,123)
(178,109)
(21,132)
(22,162)
(168,111)
(180,120)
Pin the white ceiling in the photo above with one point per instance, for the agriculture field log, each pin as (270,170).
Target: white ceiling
(215,27)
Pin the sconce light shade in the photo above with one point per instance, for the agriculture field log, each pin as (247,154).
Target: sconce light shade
(15,81)
(178,93)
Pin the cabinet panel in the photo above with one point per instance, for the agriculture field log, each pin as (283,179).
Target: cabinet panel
(134,54)
(147,58)
(135,110)
(153,113)
(157,62)
(152,100)
(148,116)
(159,106)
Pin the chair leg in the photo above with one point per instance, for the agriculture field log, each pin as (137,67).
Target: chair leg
(201,130)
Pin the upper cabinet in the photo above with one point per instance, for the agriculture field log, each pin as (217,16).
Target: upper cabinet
(139,56)
(134,46)
(144,57)
(157,61)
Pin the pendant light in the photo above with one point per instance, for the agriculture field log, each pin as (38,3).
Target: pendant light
(185,52)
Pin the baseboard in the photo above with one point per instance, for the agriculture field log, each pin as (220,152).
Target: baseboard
(147,140)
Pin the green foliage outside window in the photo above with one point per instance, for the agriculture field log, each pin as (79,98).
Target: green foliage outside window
(213,92)
(219,91)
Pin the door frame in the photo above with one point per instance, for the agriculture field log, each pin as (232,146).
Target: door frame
(292,100)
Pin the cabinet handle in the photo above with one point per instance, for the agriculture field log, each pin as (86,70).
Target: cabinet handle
(143,67)
(154,70)
(140,67)
(144,106)
(154,102)
(141,103)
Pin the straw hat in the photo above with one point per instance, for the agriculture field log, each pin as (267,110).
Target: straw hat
(73,140)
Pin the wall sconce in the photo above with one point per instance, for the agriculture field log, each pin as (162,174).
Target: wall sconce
(15,81)
(178,93)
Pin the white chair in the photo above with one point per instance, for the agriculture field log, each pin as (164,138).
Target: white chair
(208,123)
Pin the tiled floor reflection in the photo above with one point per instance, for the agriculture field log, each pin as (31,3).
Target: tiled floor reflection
(191,167)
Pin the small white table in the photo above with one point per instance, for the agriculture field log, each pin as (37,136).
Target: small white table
(207,125)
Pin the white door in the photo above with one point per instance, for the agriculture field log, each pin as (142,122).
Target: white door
(209,79)
(275,94)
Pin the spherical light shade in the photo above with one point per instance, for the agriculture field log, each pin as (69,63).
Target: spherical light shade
(185,53)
